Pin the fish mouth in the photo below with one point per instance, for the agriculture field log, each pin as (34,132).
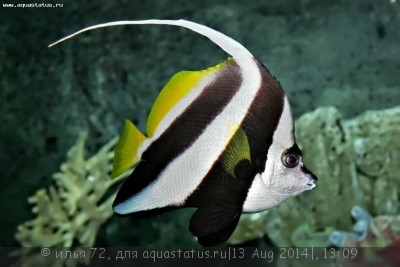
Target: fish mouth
(313,183)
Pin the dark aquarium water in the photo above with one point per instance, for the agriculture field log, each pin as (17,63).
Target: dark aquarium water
(63,107)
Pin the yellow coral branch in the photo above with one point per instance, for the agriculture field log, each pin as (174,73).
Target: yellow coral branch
(71,211)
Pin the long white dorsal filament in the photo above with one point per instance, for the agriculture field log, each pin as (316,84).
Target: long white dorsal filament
(232,47)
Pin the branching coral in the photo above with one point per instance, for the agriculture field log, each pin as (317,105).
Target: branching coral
(70,212)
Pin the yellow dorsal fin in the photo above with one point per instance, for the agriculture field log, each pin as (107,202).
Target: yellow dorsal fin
(177,88)
(238,149)
(126,150)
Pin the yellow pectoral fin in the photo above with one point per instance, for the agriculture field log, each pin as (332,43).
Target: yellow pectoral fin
(126,150)
(238,149)
(176,89)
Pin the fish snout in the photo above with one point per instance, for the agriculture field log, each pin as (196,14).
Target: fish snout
(312,181)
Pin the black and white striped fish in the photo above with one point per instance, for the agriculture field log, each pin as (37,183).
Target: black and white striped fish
(220,140)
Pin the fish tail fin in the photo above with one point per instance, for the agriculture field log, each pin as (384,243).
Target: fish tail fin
(126,150)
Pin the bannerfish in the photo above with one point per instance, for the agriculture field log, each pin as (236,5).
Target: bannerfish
(220,140)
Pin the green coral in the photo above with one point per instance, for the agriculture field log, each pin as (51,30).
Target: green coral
(304,236)
(251,226)
(356,162)
(70,212)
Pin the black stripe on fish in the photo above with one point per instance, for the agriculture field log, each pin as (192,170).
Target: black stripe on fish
(185,129)
(221,190)
(259,126)
(263,117)
(219,199)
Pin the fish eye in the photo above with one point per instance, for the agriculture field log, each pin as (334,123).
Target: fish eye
(290,159)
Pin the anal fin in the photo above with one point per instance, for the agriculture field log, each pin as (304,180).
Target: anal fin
(214,225)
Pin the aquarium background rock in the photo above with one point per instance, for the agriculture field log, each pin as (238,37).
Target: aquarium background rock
(324,53)
(356,162)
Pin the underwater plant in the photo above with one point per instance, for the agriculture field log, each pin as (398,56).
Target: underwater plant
(70,212)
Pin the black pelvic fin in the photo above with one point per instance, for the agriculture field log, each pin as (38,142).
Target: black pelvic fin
(214,225)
